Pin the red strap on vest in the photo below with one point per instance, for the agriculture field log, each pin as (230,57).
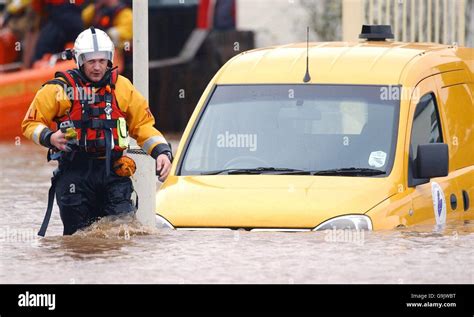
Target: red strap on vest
(61,2)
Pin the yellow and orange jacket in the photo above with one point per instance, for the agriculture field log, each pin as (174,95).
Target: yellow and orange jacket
(49,104)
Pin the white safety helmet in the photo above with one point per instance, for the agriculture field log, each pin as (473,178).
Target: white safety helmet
(93,44)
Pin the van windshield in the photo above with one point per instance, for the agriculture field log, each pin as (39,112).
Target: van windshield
(322,129)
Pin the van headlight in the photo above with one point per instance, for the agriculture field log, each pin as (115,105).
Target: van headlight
(163,223)
(355,222)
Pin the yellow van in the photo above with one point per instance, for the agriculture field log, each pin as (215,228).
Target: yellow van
(369,135)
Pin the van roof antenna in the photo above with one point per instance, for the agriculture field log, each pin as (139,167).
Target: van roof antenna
(307,77)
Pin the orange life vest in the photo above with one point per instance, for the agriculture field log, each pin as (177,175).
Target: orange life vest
(94,114)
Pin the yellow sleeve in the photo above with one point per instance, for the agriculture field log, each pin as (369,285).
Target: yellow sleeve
(140,120)
(122,31)
(50,102)
(88,15)
(14,7)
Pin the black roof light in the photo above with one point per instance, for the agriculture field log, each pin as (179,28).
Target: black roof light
(376,32)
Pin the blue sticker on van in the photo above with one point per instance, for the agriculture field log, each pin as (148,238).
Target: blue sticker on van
(439,203)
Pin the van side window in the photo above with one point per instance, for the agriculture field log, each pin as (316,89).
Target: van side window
(426,124)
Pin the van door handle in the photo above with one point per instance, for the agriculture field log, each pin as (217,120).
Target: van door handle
(465,199)
(454,202)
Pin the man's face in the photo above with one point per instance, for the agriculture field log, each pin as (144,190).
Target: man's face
(95,69)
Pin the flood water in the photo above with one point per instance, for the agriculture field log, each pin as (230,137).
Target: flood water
(120,251)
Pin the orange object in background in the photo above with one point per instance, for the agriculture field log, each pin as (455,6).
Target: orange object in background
(17,90)
(205,14)
(8,51)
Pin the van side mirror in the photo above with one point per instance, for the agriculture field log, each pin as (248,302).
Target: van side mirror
(432,160)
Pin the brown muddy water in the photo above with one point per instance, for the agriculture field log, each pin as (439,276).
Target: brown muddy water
(120,251)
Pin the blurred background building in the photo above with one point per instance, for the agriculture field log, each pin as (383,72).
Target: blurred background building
(285,21)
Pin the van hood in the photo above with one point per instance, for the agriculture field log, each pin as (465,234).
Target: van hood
(266,201)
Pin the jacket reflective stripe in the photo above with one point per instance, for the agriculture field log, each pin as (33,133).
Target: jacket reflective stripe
(151,141)
(37,132)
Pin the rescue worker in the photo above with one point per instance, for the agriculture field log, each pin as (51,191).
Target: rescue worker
(17,17)
(103,106)
(18,20)
(112,16)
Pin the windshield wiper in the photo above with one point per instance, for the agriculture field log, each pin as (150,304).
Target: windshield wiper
(259,170)
(350,171)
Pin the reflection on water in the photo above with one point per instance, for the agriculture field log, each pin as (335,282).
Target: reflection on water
(116,228)
(118,250)
(83,247)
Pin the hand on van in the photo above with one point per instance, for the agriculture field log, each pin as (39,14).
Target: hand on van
(163,166)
